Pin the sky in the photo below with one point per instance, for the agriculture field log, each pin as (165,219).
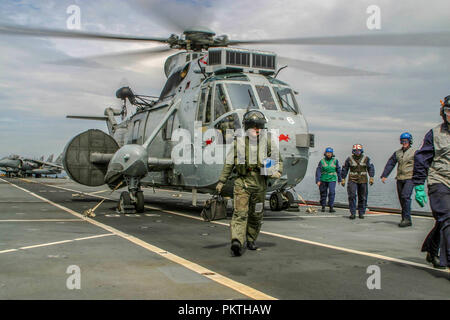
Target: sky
(37,91)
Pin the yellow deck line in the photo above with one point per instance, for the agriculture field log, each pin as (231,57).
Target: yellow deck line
(237,286)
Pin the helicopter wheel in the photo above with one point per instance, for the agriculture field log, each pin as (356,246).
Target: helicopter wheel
(289,196)
(139,202)
(276,201)
(124,201)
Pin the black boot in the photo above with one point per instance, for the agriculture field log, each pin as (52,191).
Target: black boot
(405,223)
(352,217)
(251,245)
(323,209)
(361,216)
(434,260)
(236,248)
(332,210)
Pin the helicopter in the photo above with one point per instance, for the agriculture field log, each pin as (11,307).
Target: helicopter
(210,86)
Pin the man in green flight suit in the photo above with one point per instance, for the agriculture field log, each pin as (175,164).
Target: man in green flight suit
(251,184)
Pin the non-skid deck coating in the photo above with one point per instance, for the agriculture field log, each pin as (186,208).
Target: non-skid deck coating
(168,252)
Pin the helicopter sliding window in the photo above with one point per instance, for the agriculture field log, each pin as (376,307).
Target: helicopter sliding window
(265,96)
(204,114)
(135,136)
(220,102)
(201,105)
(286,99)
(168,128)
(241,96)
(208,108)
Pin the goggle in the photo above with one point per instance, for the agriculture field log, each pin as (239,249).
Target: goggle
(447,111)
(404,141)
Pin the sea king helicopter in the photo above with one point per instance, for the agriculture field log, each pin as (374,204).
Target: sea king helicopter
(211,83)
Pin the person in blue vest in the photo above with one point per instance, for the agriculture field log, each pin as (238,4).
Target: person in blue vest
(327,173)
(358,166)
(404,159)
(432,163)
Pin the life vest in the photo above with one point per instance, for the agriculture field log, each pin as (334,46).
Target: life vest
(405,163)
(328,172)
(439,171)
(252,163)
(358,169)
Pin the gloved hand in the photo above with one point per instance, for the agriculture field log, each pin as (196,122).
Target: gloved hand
(343,182)
(276,175)
(219,187)
(371,181)
(421,196)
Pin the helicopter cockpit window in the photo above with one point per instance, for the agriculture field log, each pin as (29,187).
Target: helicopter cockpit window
(220,102)
(266,97)
(286,99)
(229,122)
(241,96)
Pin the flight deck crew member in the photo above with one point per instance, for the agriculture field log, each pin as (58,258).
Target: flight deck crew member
(358,165)
(432,163)
(250,185)
(404,157)
(327,173)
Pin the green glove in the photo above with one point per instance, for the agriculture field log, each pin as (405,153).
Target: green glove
(421,196)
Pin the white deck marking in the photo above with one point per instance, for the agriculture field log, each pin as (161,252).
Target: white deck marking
(41,220)
(237,286)
(57,242)
(358,252)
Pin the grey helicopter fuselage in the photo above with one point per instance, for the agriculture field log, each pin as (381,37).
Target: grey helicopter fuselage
(213,97)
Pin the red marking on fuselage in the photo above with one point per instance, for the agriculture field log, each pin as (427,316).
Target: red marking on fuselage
(283,137)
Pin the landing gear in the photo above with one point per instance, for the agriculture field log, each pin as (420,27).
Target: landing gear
(139,202)
(131,201)
(281,200)
(125,205)
(276,201)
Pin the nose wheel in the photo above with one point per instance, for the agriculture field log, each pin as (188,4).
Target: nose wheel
(131,203)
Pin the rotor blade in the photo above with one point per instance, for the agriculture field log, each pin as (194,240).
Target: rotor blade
(42,32)
(129,55)
(177,15)
(325,69)
(434,39)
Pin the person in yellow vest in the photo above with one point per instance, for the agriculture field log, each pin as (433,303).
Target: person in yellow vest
(327,173)
(404,159)
(358,166)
